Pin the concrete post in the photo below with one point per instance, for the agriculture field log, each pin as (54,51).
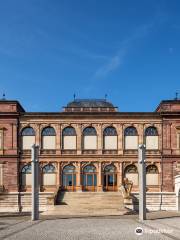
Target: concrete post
(35,182)
(142,183)
(177,191)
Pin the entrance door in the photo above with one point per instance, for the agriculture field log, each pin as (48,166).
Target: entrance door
(69,178)
(89,178)
(110,178)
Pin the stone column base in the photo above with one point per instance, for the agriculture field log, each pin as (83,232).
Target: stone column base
(100,188)
(78,188)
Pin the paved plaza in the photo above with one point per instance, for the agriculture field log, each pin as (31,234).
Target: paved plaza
(158,226)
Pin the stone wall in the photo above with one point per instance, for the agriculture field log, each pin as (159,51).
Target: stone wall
(16,202)
(156,201)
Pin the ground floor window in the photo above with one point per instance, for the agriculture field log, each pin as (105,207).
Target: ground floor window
(110,178)
(89,178)
(69,178)
(26,178)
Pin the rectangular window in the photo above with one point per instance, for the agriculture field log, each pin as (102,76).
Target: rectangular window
(27,142)
(69,142)
(90,142)
(49,179)
(152,142)
(131,142)
(178,140)
(1,174)
(152,179)
(110,142)
(1,139)
(49,142)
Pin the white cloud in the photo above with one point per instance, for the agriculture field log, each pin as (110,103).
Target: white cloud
(117,60)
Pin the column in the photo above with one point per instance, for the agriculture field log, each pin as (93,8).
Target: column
(99,178)
(119,176)
(140,129)
(58,174)
(99,138)
(78,177)
(38,135)
(58,139)
(120,139)
(79,139)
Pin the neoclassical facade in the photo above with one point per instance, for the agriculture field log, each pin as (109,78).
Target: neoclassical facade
(89,146)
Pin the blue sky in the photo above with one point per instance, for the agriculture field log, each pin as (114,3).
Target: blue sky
(51,49)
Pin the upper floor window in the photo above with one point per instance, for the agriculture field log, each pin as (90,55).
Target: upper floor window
(131,138)
(69,138)
(48,138)
(90,138)
(49,175)
(178,138)
(110,138)
(1,139)
(28,137)
(151,138)
(152,176)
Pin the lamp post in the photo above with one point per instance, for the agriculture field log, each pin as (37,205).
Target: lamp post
(35,182)
(142,183)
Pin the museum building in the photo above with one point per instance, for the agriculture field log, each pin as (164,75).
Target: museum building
(88,146)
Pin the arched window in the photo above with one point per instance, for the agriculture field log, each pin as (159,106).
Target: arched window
(131,138)
(110,138)
(28,137)
(69,177)
(131,173)
(110,178)
(48,138)
(49,175)
(26,178)
(152,176)
(110,168)
(151,138)
(69,169)
(89,178)
(89,169)
(69,138)
(90,138)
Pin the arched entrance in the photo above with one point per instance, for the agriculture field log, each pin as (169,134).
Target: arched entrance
(110,178)
(89,178)
(69,178)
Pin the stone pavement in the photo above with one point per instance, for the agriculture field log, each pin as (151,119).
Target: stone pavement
(160,225)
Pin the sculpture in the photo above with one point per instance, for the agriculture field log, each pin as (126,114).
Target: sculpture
(126,188)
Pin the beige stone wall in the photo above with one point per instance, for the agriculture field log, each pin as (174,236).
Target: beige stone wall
(15,202)
(156,201)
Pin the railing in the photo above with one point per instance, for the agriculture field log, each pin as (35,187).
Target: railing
(89,151)
(110,151)
(69,151)
(47,151)
(130,151)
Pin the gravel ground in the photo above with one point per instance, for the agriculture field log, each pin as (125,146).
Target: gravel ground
(89,228)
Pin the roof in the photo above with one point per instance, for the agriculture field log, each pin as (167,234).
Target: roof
(90,103)
(165,105)
(19,106)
